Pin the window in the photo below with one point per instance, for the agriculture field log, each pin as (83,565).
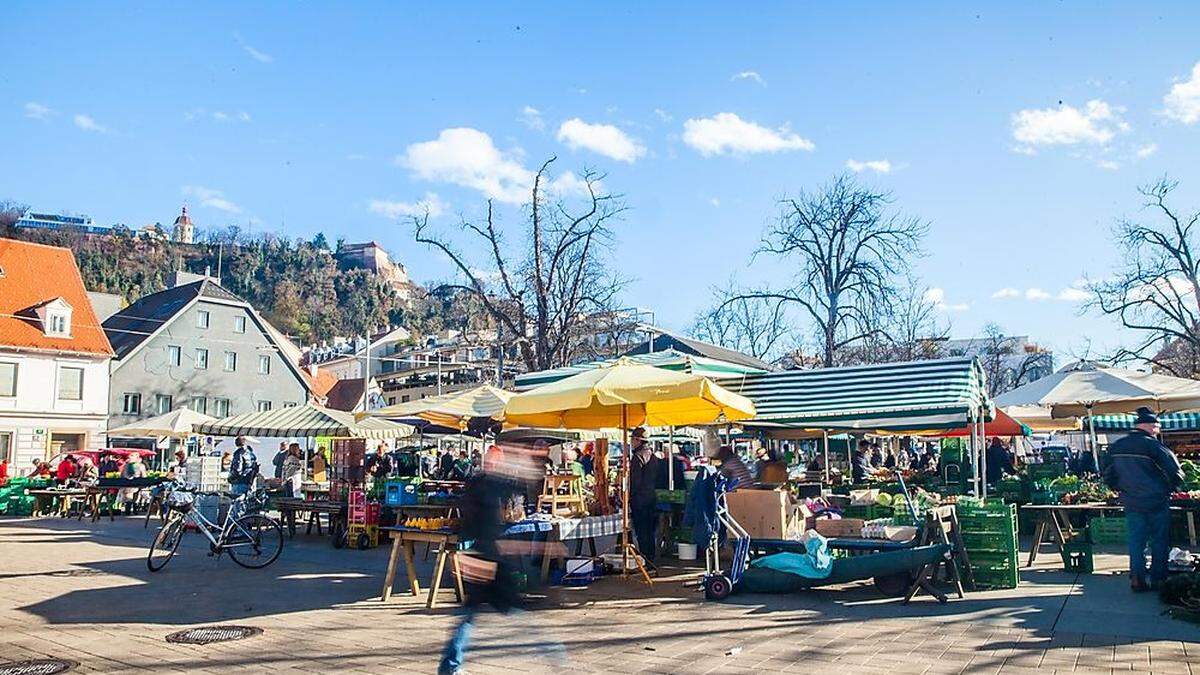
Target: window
(201,319)
(6,446)
(264,406)
(70,384)
(221,407)
(199,404)
(201,359)
(8,379)
(58,324)
(162,403)
(289,404)
(132,404)
(264,364)
(230,361)
(174,355)
(404,398)
(239,324)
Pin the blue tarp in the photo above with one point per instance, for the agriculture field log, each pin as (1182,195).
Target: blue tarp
(817,563)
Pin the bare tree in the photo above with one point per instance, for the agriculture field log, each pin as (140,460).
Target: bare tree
(10,212)
(1157,291)
(1006,364)
(912,329)
(541,294)
(848,250)
(751,325)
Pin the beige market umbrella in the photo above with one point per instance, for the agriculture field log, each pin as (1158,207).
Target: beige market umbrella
(1087,389)
(178,423)
(305,421)
(455,409)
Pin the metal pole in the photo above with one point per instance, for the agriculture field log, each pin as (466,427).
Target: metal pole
(366,404)
(438,356)
(670,458)
(983,464)
(625,454)
(825,464)
(1092,437)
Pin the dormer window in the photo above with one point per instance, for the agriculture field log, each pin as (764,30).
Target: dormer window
(56,318)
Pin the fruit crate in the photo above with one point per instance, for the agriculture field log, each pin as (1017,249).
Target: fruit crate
(988,523)
(989,541)
(1077,557)
(868,511)
(1103,530)
(671,496)
(1048,470)
(994,570)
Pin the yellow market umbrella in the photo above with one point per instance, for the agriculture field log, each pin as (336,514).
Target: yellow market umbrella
(454,410)
(623,395)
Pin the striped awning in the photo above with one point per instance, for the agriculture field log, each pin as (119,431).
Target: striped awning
(305,421)
(910,396)
(713,369)
(1185,421)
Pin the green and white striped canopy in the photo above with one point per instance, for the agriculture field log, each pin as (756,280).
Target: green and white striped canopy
(305,421)
(713,369)
(1183,421)
(910,396)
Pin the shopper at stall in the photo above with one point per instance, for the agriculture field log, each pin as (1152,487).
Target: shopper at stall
(1145,473)
(293,470)
(999,461)
(1083,463)
(734,469)
(445,465)
(462,468)
(588,458)
(769,468)
(133,469)
(65,470)
(643,501)
(178,467)
(279,459)
(243,467)
(860,462)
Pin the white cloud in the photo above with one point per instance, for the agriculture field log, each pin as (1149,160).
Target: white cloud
(216,115)
(532,118)
(876,165)
(37,111)
(663,115)
(468,157)
(1183,101)
(1037,295)
(1095,124)
(749,75)
(937,297)
(1006,294)
(431,204)
(211,198)
(1108,164)
(727,134)
(1073,294)
(220,116)
(1146,150)
(243,116)
(603,139)
(261,57)
(715,202)
(86,123)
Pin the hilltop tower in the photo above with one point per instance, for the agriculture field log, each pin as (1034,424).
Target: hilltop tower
(184,231)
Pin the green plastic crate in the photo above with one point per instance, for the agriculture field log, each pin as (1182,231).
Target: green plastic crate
(671,496)
(1047,470)
(1104,530)
(1077,557)
(989,541)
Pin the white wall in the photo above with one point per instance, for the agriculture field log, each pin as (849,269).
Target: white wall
(36,413)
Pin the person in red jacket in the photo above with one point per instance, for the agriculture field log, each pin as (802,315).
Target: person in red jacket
(66,469)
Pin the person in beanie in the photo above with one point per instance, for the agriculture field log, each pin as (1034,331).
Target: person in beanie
(1145,473)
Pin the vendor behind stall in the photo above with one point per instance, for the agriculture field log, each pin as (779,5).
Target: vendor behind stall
(734,469)
(644,468)
(769,468)
(860,462)
(999,461)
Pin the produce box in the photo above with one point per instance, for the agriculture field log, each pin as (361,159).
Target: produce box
(1106,530)
(671,496)
(839,527)
(767,514)
(1001,542)
(1047,470)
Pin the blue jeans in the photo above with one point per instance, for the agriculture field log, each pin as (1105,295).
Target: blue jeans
(456,648)
(1153,527)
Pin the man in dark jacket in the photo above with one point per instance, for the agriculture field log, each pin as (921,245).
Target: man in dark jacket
(644,468)
(243,469)
(1145,473)
(860,464)
(998,461)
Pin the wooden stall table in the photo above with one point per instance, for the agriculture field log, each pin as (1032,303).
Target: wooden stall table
(96,499)
(288,506)
(1054,519)
(49,495)
(578,530)
(403,539)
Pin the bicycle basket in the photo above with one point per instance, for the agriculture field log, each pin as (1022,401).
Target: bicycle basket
(179,501)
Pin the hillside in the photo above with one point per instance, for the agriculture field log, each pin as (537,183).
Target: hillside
(298,285)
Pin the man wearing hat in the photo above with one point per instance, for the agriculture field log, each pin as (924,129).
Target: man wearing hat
(644,468)
(1145,473)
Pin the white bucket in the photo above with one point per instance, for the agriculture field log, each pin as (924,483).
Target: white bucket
(686,551)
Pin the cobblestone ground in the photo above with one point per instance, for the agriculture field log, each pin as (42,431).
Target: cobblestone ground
(82,591)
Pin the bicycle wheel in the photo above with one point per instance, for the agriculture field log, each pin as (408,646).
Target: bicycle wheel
(165,543)
(255,541)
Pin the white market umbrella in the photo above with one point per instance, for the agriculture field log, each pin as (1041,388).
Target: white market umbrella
(178,423)
(1087,389)
(305,421)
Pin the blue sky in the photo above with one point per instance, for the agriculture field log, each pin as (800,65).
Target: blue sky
(1019,135)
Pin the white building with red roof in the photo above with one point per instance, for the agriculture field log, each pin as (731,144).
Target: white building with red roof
(54,356)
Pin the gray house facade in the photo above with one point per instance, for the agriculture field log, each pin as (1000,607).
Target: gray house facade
(199,345)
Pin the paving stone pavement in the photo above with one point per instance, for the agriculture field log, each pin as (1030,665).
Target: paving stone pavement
(82,591)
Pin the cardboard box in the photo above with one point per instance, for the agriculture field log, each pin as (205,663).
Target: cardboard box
(843,527)
(766,514)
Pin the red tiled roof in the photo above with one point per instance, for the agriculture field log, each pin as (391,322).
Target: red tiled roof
(345,395)
(32,275)
(322,382)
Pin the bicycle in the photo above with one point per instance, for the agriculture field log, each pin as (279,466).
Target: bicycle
(251,539)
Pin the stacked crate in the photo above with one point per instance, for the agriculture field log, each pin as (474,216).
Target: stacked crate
(989,534)
(1107,531)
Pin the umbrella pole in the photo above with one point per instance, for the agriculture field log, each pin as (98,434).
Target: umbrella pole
(670,458)
(627,457)
(1092,437)
(825,464)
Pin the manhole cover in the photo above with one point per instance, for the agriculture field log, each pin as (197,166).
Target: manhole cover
(209,634)
(37,667)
